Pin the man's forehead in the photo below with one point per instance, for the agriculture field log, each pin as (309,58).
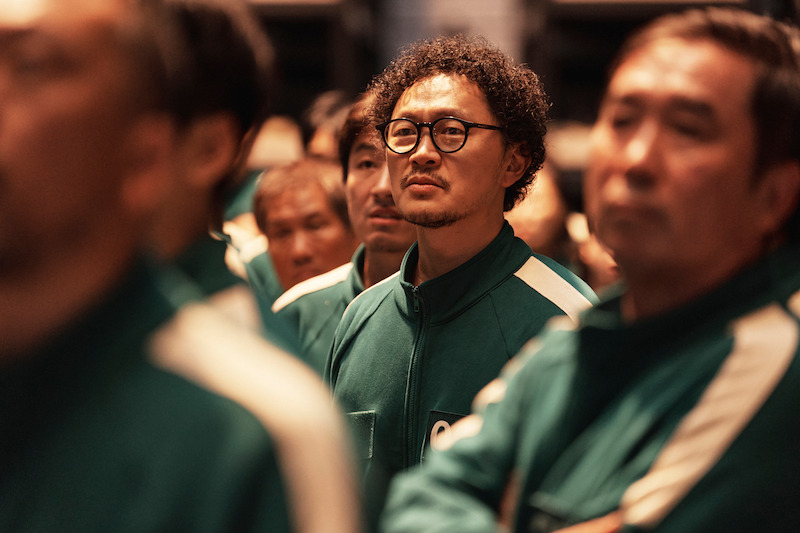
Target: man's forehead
(25,14)
(445,93)
(21,12)
(697,70)
(367,140)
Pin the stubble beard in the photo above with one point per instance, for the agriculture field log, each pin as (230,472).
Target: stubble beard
(430,220)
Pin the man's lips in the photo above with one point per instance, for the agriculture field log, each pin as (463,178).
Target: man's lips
(384,213)
(421,180)
(629,213)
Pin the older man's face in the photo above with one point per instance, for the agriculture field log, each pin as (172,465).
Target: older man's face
(65,118)
(670,184)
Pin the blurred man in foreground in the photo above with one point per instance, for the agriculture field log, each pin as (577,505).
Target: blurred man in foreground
(116,412)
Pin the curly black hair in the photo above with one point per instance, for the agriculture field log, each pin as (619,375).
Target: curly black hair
(514,92)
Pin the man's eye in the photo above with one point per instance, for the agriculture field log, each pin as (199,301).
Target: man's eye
(23,65)
(33,58)
(316,225)
(621,121)
(404,132)
(366,164)
(691,129)
(279,233)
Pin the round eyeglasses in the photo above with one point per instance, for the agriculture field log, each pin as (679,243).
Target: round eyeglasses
(449,134)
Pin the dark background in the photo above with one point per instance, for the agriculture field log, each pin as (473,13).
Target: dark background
(334,44)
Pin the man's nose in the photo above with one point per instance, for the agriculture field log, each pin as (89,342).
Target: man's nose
(382,189)
(426,153)
(641,153)
(301,249)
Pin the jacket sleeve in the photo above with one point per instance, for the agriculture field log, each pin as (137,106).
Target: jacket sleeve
(466,482)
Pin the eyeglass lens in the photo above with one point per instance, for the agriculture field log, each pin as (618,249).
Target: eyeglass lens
(449,135)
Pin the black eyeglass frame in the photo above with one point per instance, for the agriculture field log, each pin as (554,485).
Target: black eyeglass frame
(430,125)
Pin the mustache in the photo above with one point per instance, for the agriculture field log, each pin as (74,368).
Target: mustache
(429,175)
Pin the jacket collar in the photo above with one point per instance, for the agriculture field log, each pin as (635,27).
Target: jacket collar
(774,277)
(444,297)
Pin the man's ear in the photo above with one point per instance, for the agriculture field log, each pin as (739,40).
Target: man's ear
(210,146)
(516,161)
(777,195)
(147,162)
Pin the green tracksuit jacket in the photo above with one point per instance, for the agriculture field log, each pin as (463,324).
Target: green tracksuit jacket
(263,280)
(313,308)
(203,265)
(407,360)
(684,423)
(95,436)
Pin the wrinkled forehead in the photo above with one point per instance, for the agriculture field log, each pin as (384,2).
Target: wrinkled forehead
(367,137)
(443,94)
(84,28)
(690,69)
(124,36)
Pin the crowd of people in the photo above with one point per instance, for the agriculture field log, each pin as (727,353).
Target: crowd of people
(405,327)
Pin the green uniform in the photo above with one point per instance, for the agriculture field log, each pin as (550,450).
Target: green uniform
(684,422)
(259,270)
(96,436)
(203,265)
(263,280)
(239,199)
(407,360)
(314,307)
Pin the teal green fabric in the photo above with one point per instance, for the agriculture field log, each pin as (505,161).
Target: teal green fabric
(590,409)
(315,315)
(264,281)
(203,266)
(239,200)
(95,438)
(416,355)
(203,262)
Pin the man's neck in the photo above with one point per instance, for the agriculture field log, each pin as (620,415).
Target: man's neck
(444,249)
(651,292)
(41,301)
(179,226)
(379,265)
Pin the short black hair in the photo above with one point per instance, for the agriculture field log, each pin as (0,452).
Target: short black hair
(355,123)
(227,61)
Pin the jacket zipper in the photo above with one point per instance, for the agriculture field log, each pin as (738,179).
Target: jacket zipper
(412,394)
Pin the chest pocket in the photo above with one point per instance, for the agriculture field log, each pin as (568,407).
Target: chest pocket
(362,427)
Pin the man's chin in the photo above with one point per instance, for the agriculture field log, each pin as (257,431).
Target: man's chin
(430,220)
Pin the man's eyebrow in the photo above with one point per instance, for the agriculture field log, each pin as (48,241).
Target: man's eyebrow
(624,99)
(693,106)
(676,103)
(365,146)
(11,35)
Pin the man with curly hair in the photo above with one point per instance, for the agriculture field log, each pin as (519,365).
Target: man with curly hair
(463,128)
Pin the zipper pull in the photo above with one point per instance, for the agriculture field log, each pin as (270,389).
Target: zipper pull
(415,291)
